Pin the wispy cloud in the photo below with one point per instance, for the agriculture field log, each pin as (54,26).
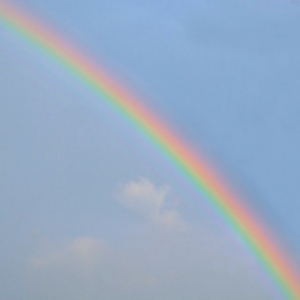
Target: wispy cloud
(151,201)
(86,262)
(175,267)
(80,253)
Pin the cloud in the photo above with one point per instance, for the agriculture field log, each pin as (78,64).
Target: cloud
(175,267)
(151,202)
(80,253)
(84,268)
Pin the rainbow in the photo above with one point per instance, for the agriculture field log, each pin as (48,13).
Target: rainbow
(199,173)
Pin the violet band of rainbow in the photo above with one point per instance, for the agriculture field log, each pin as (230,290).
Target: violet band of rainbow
(265,247)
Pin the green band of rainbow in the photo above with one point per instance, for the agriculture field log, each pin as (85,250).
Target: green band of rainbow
(192,166)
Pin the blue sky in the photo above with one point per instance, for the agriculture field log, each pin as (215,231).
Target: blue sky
(89,209)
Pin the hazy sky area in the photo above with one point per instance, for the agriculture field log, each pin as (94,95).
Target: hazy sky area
(88,209)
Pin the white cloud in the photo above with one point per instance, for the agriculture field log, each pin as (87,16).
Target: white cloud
(71,268)
(151,202)
(175,267)
(81,253)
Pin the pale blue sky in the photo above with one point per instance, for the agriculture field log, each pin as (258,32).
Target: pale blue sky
(89,209)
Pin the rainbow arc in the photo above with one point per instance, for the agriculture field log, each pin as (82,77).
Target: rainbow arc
(199,173)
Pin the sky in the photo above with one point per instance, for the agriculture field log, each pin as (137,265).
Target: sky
(89,209)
